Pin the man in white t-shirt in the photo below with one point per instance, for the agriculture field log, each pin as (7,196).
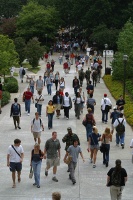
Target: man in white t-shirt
(37,127)
(79,66)
(15,155)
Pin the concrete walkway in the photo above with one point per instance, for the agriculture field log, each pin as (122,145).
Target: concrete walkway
(90,182)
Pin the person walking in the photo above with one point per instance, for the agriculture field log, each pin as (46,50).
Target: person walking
(44,77)
(36,128)
(49,113)
(93,145)
(73,150)
(39,100)
(39,84)
(106,139)
(105,107)
(67,104)
(15,155)
(56,80)
(52,64)
(114,115)
(81,77)
(75,84)
(90,89)
(57,101)
(49,84)
(78,100)
(36,162)
(91,102)
(16,113)
(62,83)
(116,180)
(87,75)
(120,124)
(120,104)
(21,73)
(27,95)
(31,85)
(52,149)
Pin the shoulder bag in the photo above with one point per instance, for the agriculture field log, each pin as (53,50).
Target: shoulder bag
(103,146)
(16,151)
(37,101)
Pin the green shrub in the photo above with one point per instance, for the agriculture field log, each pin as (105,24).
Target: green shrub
(11,84)
(12,79)
(5,98)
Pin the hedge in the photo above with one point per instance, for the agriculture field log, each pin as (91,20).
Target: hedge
(11,85)
(116,89)
(5,98)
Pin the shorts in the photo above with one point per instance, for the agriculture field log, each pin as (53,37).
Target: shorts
(15,166)
(96,146)
(36,134)
(62,87)
(53,162)
(57,106)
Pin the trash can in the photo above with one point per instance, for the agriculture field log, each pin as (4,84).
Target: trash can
(108,71)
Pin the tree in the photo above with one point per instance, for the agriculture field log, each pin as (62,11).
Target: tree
(36,21)
(34,51)
(8,54)
(20,48)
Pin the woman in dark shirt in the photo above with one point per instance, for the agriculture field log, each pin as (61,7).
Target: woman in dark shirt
(36,161)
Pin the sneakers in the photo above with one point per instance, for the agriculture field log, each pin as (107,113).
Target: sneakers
(34,184)
(122,145)
(46,172)
(28,114)
(19,127)
(55,179)
(70,176)
(107,164)
(90,160)
(73,182)
(94,166)
(38,186)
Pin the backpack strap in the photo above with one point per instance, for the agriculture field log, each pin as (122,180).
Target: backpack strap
(16,151)
(40,121)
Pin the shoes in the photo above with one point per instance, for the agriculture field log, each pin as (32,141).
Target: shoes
(34,184)
(78,117)
(28,114)
(15,127)
(73,182)
(19,127)
(70,176)
(106,164)
(46,172)
(67,118)
(38,186)
(122,145)
(94,166)
(55,179)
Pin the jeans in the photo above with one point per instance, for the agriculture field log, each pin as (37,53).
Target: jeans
(104,116)
(32,89)
(66,112)
(50,120)
(120,138)
(75,89)
(106,154)
(56,84)
(37,169)
(72,167)
(49,88)
(27,105)
(88,130)
(39,108)
(44,79)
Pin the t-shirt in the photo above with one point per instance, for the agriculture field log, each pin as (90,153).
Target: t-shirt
(121,103)
(114,115)
(52,147)
(36,126)
(94,138)
(123,174)
(40,99)
(39,83)
(14,157)
(50,109)
(66,101)
(105,101)
(74,152)
(28,95)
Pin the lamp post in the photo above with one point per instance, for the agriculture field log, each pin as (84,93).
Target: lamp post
(106,46)
(46,38)
(125,57)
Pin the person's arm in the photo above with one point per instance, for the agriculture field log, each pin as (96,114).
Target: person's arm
(125,179)
(31,159)
(108,180)
(45,151)
(22,156)
(8,162)
(110,137)
(46,111)
(20,109)
(59,153)
(42,126)
(11,111)
(82,156)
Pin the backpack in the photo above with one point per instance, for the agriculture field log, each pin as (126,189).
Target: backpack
(120,129)
(23,71)
(15,109)
(90,119)
(116,178)
(40,121)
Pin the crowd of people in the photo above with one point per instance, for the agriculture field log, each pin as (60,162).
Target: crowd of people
(64,101)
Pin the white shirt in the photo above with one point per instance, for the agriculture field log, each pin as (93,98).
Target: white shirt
(105,101)
(14,157)
(120,120)
(41,99)
(62,83)
(79,67)
(131,145)
(36,126)
(66,101)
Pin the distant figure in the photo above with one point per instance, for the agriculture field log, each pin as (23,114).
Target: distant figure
(12,69)
(16,113)
(21,73)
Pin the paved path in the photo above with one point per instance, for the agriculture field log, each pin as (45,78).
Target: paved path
(90,182)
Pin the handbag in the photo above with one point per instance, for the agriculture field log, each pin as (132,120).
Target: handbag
(68,160)
(31,173)
(84,122)
(103,147)
(37,102)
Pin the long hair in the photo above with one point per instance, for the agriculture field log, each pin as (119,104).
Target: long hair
(117,165)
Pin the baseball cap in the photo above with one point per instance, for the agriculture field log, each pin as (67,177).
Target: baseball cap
(105,95)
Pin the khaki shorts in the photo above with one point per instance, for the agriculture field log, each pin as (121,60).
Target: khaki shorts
(57,106)
(36,134)
(53,162)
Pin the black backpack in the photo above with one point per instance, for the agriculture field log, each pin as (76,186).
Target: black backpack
(40,121)
(120,129)
(15,109)
(23,71)
(116,178)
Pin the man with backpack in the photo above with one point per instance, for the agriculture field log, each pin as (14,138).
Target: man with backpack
(105,107)
(16,113)
(37,127)
(116,179)
(114,115)
(22,73)
(120,124)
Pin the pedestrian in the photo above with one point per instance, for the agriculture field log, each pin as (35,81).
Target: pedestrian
(45,76)
(49,84)
(21,73)
(57,101)
(114,115)
(91,102)
(131,146)
(78,100)
(81,77)
(31,85)
(48,67)
(67,104)
(52,64)
(56,196)
(65,67)
(27,95)
(105,107)
(94,77)
(50,109)
(120,124)
(62,83)
(0,96)
(39,84)
(16,113)
(93,145)
(75,84)
(90,88)
(120,104)
(72,58)
(56,80)
(46,57)
(87,75)
(86,59)
(60,59)
(116,180)
(39,102)
(12,69)
(106,139)
(52,149)
(36,128)
(15,155)
(83,98)
(73,150)
(36,162)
